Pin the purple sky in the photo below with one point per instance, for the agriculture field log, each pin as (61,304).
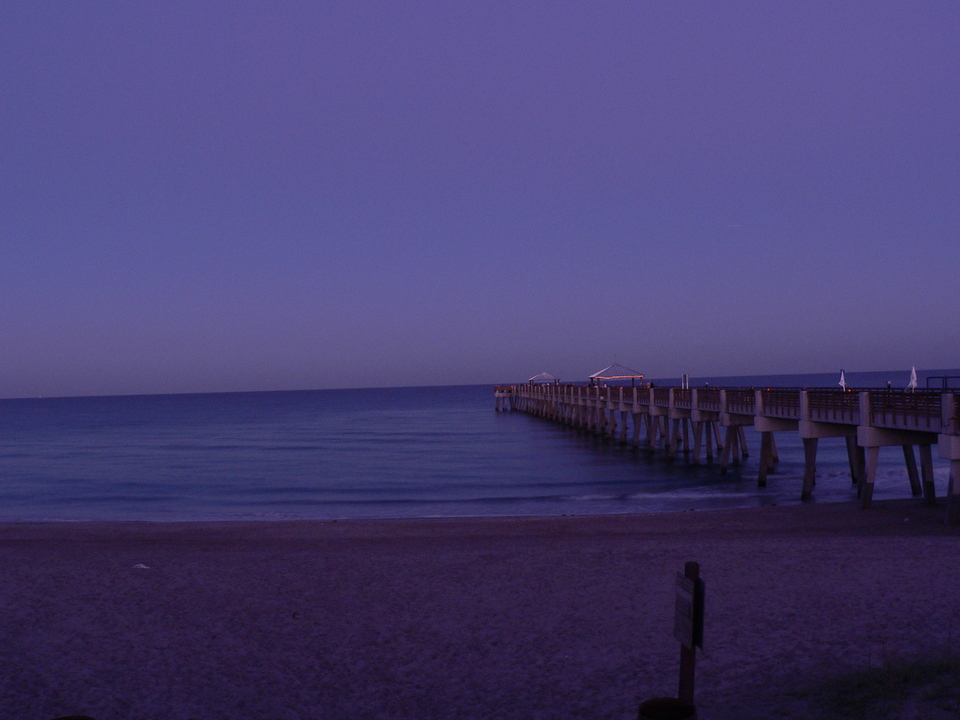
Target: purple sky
(200,196)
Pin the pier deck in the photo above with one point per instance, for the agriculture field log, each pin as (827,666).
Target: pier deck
(664,418)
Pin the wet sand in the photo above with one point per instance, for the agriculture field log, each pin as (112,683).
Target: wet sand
(566,617)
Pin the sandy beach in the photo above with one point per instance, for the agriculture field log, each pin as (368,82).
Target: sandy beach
(565,617)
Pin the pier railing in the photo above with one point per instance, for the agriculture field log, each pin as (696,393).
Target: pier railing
(834,406)
(739,401)
(920,410)
(781,402)
(683,398)
(931,411)
(708,399)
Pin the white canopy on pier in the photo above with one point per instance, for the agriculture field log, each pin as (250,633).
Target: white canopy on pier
(543,377)
(616,372)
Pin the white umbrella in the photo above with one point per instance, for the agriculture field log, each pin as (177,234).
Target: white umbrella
(913,379)
(843,381)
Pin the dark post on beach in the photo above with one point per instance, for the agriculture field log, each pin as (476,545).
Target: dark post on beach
(688,625)
(688,629)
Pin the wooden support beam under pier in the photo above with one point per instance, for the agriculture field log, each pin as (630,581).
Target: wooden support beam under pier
(926,475)
(809,467)
(767,451)
(953,494)
(697,441)
(911,461)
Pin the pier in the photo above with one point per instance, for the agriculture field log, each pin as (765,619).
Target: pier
(665,419)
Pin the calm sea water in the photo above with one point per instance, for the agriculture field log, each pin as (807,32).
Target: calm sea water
(380,453)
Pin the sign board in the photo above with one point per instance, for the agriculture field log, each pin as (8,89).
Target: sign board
(688,615)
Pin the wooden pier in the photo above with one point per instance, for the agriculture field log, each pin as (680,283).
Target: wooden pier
(663,419)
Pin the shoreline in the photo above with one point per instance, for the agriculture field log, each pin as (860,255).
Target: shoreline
(468,617)
(832,517)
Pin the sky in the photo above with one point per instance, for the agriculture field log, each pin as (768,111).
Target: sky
(204,196)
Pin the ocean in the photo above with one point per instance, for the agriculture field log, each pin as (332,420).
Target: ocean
(376,453)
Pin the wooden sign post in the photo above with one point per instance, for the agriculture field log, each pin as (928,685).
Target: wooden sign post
(688,625)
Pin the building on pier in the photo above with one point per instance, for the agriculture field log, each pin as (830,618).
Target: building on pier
(617,372)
